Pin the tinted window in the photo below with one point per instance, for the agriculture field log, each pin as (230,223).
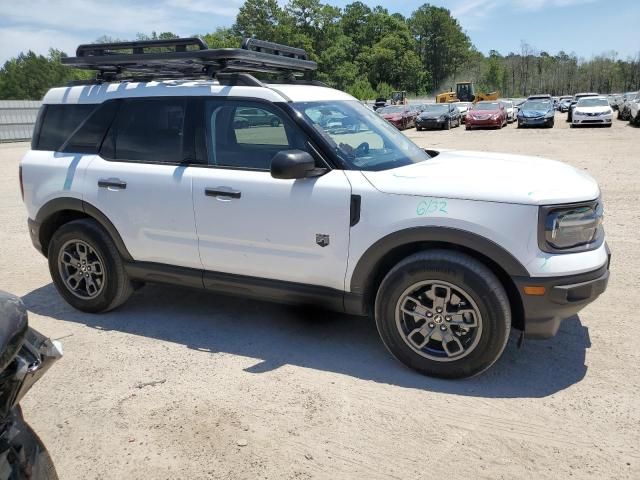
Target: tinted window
(89,136)
(244,136)
(148,130)
(58,122)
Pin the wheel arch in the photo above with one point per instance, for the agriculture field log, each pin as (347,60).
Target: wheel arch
(378,259)
(55,213)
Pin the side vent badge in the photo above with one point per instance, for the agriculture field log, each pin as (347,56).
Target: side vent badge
(322,239)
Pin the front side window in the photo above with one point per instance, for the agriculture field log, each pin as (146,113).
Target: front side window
(360,137)
(246,136)
(148,130)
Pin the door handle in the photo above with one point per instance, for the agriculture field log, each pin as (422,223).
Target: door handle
(222,192)
(112,183)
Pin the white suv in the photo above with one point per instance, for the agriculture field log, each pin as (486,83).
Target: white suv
(297,193)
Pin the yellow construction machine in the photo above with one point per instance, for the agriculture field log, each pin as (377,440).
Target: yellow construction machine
(465,92)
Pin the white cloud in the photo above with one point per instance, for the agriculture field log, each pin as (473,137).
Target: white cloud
(539,4)
(64,24)
(14,40)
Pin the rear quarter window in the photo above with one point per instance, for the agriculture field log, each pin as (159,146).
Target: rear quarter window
(58,123)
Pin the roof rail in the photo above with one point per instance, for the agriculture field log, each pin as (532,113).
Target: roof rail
(187,58)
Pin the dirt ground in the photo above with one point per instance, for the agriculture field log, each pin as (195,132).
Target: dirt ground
(184,384)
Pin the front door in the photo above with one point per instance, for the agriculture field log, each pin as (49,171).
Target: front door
(251,224)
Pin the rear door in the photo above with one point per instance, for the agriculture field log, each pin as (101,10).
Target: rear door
(142,180)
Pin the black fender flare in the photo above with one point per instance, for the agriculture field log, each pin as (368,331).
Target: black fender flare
(366,268)
(57,205)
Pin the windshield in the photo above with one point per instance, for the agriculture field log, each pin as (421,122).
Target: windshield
(360,137)
(593,102)
(486,106)
(436,108)
(391,110)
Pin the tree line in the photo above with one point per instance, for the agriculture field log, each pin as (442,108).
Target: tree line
(370,52)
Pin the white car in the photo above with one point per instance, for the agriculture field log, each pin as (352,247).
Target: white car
(464,108)
(129,182)
(512,111)
(592,111)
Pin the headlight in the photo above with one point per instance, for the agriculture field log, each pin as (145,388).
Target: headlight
(578,112)
(571,228)
(442,118)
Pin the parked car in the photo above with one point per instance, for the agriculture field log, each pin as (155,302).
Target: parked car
(564,104)
(592,111)
(380,102)
(486,114)
(577,97)
(447,250)
(634,114)
(463,108)
(617,100)
(400,116)
(25,356)
(624,111)
(539,113)
(254,117)
(439,115)
(511,110)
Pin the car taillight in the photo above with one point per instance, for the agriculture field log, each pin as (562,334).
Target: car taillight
(21,185)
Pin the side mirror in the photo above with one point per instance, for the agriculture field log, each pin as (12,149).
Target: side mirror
(291,164)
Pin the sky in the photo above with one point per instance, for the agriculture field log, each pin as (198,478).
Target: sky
(583,27)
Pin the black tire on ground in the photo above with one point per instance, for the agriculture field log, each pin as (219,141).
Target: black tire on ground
(462,272)
(552,123)
(447,126)
(519,125)
(115,287)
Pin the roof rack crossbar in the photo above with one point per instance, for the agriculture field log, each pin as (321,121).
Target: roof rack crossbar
(113,61)
(139,47)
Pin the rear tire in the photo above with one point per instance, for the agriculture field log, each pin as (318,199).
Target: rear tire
(447,126)
(86,267)
(469,331)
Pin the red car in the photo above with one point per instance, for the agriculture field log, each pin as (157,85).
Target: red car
(487,114)
(401,116)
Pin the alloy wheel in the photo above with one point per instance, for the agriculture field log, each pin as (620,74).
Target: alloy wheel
(81,269)
(438,320)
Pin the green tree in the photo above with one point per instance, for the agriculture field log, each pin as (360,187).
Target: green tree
(440,42)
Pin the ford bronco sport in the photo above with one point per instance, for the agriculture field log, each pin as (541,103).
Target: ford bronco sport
(152,173)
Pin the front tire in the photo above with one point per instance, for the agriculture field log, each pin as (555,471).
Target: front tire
(86,267)
(443,314)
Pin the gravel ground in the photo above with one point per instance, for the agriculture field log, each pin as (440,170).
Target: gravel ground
(184,384)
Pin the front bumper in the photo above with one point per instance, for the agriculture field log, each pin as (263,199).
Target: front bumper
(430,123)
(592,120)
(535,121)
(476,123)
(564,298)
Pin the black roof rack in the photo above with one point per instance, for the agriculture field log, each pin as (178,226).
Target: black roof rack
(188,58)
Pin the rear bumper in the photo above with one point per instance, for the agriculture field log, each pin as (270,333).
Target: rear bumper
(564,297)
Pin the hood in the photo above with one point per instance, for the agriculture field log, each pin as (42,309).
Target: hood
(535,113)
(596,109)
(494,177)
(482,113)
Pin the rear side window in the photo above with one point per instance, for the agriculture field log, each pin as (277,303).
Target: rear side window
(58,122)
(148,130)
(89,136)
